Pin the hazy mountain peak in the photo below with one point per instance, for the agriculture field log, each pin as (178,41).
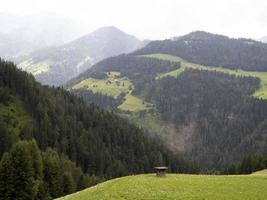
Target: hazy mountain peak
(108,29)
(263,39)
(66,61)
(201,35)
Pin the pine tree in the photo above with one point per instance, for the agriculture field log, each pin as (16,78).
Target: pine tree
(53,173)
(19,173)
(68,183)
(5,179)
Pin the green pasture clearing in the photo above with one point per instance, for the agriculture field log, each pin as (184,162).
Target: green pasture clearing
(35,69)
(113,85)
(176,187)
(134,104)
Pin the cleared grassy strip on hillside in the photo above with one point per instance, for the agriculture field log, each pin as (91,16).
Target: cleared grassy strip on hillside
(260,93)
(134,104)
(113,85)
(173,187)
(35,69)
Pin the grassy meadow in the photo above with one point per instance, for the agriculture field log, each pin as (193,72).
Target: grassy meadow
(134,104)
(113,85)
(178,186)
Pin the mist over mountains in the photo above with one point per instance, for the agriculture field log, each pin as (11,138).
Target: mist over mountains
(19,35)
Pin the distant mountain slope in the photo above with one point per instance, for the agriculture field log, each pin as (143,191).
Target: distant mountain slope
(19,35)
(213,50)
(56,65)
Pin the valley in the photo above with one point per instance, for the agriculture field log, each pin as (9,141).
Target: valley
(91,117)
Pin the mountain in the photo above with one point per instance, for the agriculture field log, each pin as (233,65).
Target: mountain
(213,115)
(263,39)
(213,50)
(20,35)
(56,65)
(84,141)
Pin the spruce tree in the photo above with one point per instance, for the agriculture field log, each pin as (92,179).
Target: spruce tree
(5,179)
(53,173)
(17,173)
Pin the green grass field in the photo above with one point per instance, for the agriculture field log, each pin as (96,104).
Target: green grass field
(262,172)
(113,85)
(134,104)
(260,93)
(178,186)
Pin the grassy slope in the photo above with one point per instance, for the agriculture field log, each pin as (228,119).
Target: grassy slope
(134,104)
(262,172)
(16,113)
(260,93)
(174,187)
(113,86)
(35,69)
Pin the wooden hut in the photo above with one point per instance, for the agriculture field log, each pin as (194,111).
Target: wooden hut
(161,171)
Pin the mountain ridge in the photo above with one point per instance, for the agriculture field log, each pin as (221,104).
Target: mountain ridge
(66,61)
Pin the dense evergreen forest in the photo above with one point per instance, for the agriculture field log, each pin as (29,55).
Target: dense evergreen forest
(213,50)
(249,164)
(215,113)
(66,128)
(106,102)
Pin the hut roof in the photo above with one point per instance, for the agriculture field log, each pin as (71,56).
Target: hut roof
(161,168)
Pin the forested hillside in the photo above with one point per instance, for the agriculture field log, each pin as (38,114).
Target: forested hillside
(100,143)
(215,114)
(213,50)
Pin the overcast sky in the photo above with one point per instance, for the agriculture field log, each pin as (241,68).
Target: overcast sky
(156,19)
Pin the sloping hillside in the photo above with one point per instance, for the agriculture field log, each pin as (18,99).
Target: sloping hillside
(203,112)
(213,50)
(57,64)
(175,186)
